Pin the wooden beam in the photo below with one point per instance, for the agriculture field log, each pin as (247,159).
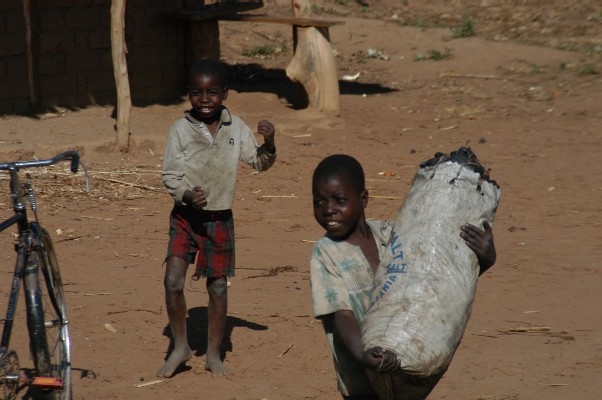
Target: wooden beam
(212,11)
(297,21)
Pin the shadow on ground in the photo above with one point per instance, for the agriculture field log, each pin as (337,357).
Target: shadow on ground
(242,78)
(255,78)
(196,328)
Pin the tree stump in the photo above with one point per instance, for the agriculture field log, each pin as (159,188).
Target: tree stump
(313,64)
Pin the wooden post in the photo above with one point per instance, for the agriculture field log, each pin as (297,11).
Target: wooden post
(204,39)
(120,71)
(313,64)
(31,70)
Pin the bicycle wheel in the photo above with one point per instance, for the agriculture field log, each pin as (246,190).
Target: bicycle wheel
(47,319)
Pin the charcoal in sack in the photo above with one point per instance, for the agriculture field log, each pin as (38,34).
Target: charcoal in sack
(426,282)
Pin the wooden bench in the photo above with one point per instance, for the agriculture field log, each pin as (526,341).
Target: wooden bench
(313,64)
(294,21)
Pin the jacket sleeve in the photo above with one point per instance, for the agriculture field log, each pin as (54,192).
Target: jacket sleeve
(251,153)
(173,174)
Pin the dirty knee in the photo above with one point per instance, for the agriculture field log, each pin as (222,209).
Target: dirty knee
(173,284)
(217,287)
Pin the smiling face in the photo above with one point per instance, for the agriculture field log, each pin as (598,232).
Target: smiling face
(206,94)
(338,206)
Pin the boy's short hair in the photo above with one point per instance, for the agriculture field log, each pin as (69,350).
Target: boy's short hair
(208,67)
(341,166)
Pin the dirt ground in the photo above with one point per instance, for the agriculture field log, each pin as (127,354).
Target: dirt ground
(524,93)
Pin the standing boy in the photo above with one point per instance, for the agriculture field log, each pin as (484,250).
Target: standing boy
(343,264)
(199,171)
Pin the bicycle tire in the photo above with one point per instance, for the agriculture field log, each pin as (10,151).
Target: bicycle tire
(47,315)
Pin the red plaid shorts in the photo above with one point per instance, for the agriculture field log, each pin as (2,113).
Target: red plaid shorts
(208,233)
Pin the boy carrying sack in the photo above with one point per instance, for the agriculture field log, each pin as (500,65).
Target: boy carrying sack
(427,279)
(344,263)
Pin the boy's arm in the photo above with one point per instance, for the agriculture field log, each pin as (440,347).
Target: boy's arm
(266,129)
(195,198)
(348,329)
(172,174)
(259,157)
(481,242)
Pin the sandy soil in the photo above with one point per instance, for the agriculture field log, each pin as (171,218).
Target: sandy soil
(523,93)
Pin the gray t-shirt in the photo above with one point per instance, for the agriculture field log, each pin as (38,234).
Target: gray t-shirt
(342,279)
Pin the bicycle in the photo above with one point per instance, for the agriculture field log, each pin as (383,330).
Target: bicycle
(37,267)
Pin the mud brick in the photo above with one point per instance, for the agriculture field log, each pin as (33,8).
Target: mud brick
(104,97)
(11,5)
(76,100)
(82,40)
(58,85)
(50,101)
(83,18)
(172,73)
(15,87)
(52,64)
(52,20)
(57,42)
(104,16)
(82,84)
(99,40)
(13,106)
(106,3)
(21,104)
(149,77)
(83,61)
(15,66)
(101,81)
(6,107)
(15,23)
(12,43)
(144,56)
(44,4)
(107,61)
(149,36)
(142,16)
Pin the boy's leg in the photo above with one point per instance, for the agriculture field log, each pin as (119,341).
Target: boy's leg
(175,275)
(216,320)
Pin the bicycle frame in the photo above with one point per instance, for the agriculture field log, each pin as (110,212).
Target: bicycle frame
(23,247)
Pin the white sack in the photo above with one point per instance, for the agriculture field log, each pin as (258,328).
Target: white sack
(426,282)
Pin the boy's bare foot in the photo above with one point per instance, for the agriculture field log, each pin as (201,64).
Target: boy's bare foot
(176,358)
(216,366)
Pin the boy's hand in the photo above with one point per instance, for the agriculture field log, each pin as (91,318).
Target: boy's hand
(481,242)
(195,197)
(381,360)
(267,130)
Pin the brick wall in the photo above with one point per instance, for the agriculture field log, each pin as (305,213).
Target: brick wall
(72,53)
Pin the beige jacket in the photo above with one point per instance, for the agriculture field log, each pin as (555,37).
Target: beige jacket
(194,158)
